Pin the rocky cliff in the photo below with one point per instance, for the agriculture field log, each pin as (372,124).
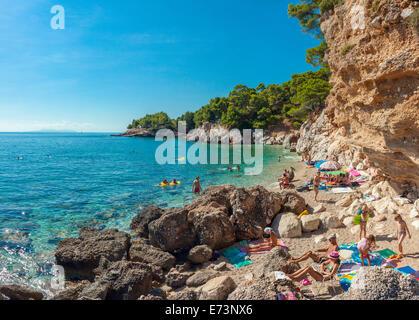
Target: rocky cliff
(372,111)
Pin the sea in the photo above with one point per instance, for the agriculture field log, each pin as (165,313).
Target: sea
(52,184)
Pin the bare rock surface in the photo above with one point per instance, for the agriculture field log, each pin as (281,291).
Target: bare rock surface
(81,256)
(19,292)
(378,283)
(140,252)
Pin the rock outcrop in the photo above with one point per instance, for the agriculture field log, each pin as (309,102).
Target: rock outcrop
(81,257)
(19,292)
(140,252)
(372,110)
(379,283)
(222,215)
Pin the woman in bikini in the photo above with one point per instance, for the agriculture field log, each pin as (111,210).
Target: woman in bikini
(269,237)
(327,269)
(316,185)
(402,230)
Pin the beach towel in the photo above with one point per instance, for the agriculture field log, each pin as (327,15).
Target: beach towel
(348,246)
(335,173)
(386,253)
(342,190)
(345,280)
(376,259)
(354,173)
(286,296)
(319,163)
(236,257)
(406,270)
(259,246)
(349,267)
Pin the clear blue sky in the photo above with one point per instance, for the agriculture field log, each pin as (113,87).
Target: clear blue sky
(118,60)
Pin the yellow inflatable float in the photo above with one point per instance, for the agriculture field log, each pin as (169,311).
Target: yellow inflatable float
(169,184)
(302,214)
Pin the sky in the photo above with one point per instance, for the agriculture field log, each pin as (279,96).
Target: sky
(116,61)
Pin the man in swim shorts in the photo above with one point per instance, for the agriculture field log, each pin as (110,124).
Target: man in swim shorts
(196,186)
(319,258)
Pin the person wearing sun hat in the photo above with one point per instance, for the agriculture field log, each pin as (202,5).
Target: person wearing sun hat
(328,269)
(316,256)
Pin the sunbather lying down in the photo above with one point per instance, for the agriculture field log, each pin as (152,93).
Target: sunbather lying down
(327,269)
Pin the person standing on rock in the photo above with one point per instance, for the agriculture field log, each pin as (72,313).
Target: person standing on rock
(316,185)
(196,186)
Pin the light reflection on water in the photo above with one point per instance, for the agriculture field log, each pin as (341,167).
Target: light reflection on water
(90,179)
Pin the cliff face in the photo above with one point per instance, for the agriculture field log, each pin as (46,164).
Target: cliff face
(372,111)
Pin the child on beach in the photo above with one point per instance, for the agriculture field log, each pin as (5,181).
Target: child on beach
(364,213)
(364,246)
(402,230)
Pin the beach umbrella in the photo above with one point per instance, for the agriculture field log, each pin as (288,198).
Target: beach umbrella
(330,165)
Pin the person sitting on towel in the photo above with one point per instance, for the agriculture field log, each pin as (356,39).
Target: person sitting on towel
(319,258)
(327,270)
(270,237)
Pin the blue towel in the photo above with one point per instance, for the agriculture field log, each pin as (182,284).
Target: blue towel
(406,270)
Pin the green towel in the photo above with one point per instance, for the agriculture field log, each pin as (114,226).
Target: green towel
(386,253)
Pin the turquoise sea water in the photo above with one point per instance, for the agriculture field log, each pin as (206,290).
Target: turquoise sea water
(66,181)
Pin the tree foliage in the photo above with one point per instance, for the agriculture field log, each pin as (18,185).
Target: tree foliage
(255,107)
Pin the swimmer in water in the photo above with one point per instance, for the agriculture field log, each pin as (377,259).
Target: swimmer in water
(196,186)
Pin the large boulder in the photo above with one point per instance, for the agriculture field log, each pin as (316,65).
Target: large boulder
(287,225)
(385,206)
(19,292)
(184,295)
(141,252)
(330,220)
(139,224)
(200,254)
(72,291)
(222,215)
(292,202)
(80,257)
(176,279)
(310,222)
(262,289)
(275,260)
(127,280)
(201,277)
(379,283)
(218,288)
(172,231)
(345,201)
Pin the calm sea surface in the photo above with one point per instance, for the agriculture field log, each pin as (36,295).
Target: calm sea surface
(65,181)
